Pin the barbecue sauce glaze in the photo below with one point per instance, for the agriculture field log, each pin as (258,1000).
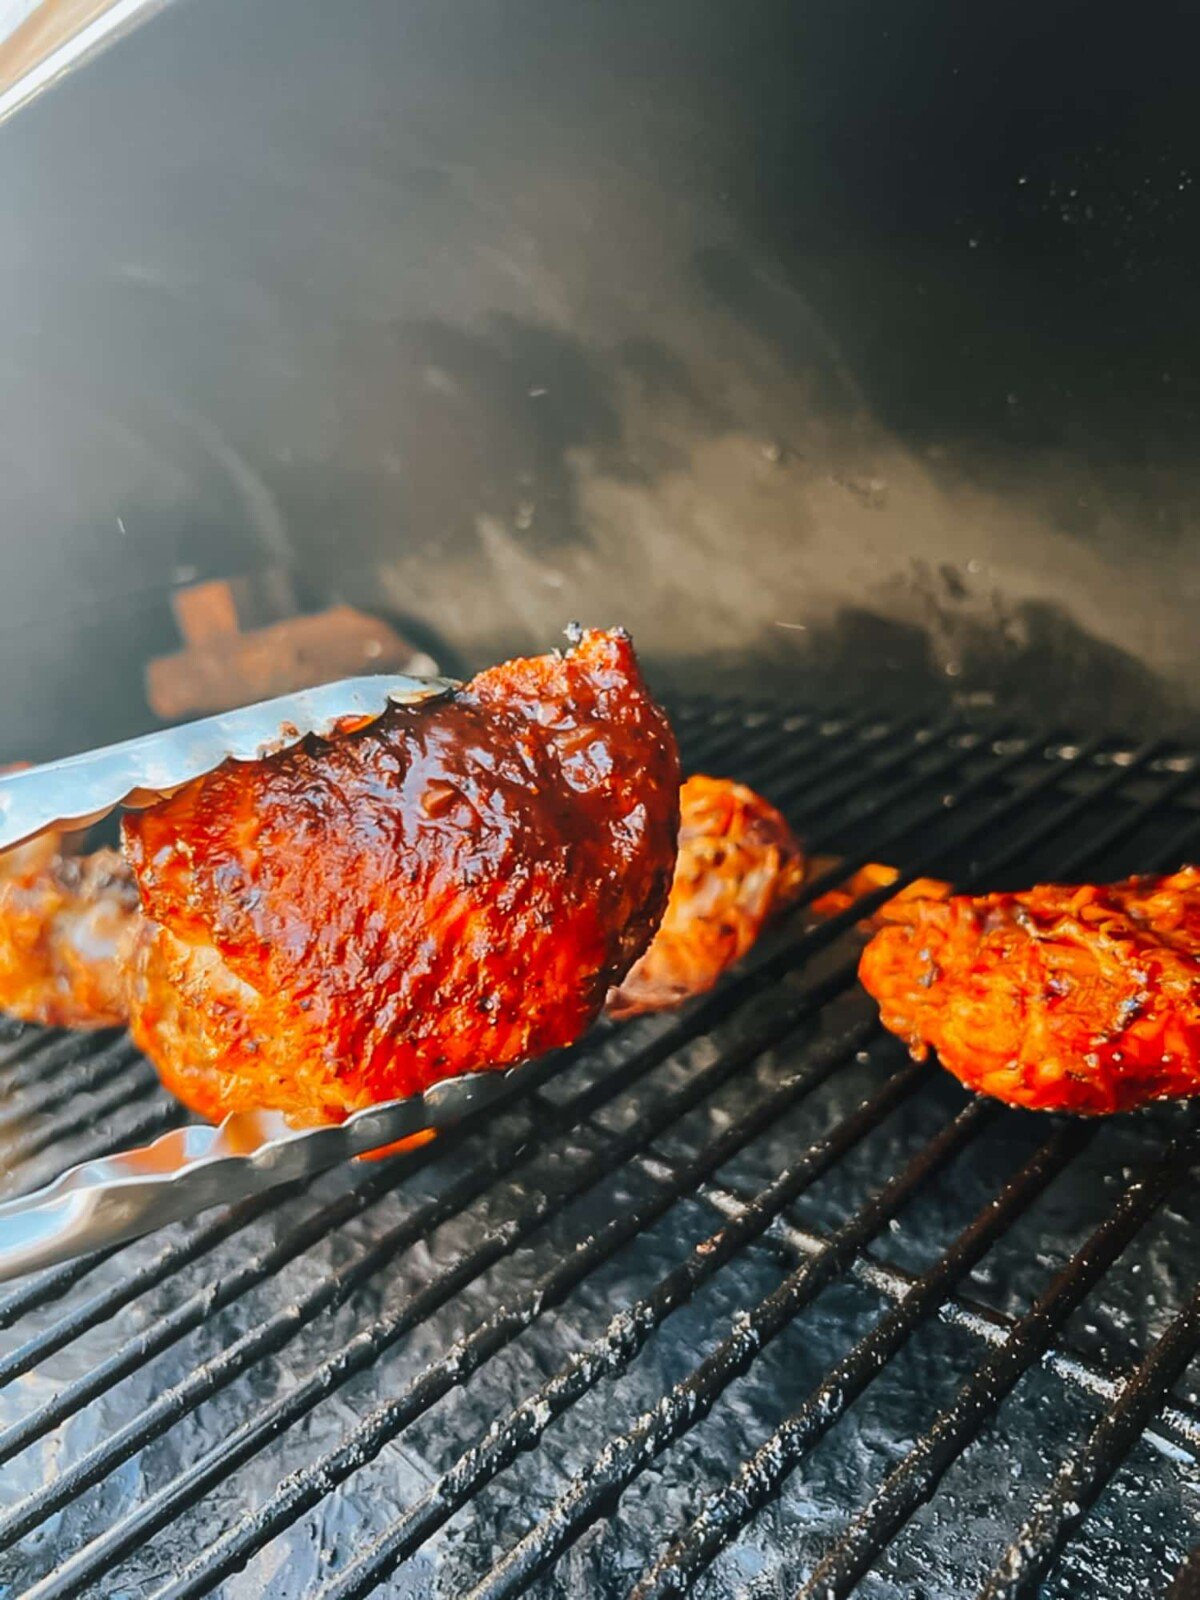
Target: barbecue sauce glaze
(455,887)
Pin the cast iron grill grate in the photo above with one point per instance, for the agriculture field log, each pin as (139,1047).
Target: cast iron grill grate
(738,1301)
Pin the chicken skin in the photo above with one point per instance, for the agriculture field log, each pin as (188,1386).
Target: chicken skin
(1059,998)
(739,864)
(63,921)
(455,887)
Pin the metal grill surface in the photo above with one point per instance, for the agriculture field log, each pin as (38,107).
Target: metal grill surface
(738,1301)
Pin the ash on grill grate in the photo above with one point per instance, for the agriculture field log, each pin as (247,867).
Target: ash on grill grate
(737,1300)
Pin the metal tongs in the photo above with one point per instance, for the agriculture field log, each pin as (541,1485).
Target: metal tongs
(102,1203)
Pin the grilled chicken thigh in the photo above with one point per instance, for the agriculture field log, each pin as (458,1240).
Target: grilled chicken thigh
(455,887)
(1059,998)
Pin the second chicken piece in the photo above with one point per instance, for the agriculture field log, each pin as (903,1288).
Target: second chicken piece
(739,865)
(64,919)
(1060,998)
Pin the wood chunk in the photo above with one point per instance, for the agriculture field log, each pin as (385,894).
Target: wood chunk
(222,668)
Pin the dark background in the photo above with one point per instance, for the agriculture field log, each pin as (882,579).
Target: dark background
(837,348)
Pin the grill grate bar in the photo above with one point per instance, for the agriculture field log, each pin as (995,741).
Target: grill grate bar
(874,758)
(157,1118)
(137,1082)
(689,1401)
(309,1486)
(36,1056)
(17,1039)
(802,796)
(743,742)
(1082,1478)
(918,1475)
(52,1046)
(735,739)
(1121,827)
(59,1089)
(876,754)
(1042,828)
(960,741)
(1181,842)
(264,1339)
(788,1241)
(767,970)
(627,1334)
(759,1478)
(49,1285)
(378,1336)
(860,740)
(101,1306)
(955,754)
(1074,806)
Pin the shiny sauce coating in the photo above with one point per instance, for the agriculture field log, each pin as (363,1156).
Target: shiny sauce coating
(453,888)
